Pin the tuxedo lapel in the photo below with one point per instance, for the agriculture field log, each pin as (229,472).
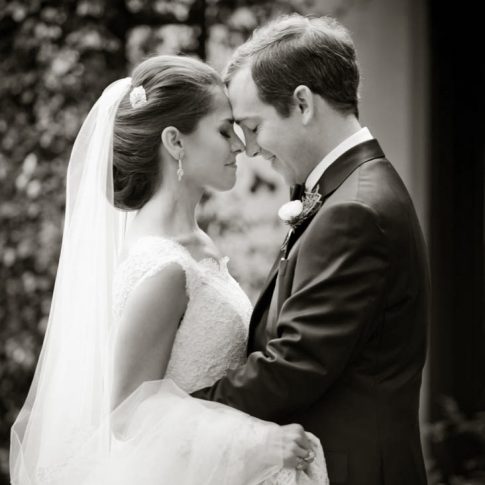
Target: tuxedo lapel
(332,178)
(336,174)
(263,299)
(271,276)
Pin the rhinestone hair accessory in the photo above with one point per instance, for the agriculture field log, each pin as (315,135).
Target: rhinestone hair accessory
(138,97)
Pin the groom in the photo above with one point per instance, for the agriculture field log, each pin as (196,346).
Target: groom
(337,339)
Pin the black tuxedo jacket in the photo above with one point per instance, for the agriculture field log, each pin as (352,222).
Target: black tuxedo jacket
(337,339)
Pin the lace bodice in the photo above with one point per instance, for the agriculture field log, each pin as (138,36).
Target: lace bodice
(212,335)
(165,435)
(211,338)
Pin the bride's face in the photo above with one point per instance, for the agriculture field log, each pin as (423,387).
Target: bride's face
(210,151)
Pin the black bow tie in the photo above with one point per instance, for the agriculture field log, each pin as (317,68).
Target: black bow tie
(297,191)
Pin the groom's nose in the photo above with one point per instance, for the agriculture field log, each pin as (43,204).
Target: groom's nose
(252,148)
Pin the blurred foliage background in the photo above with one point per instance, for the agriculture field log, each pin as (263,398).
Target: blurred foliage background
(56,57)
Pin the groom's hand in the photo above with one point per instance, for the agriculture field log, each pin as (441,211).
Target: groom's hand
(291,443)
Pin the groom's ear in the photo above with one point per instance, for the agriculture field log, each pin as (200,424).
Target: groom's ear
(172,141)
(304,102)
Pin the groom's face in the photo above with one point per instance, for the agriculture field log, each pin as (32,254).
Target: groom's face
(266,132)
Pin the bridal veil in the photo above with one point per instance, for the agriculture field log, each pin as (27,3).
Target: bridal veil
(69,396)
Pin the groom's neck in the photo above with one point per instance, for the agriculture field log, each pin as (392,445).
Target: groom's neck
(334,131)
(327,134)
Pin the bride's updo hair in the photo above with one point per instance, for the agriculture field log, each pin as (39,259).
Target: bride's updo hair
(178,93)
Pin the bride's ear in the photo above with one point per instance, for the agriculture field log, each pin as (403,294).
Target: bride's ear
(172,141)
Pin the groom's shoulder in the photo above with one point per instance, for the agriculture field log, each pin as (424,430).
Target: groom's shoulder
(373,195)
(375,184)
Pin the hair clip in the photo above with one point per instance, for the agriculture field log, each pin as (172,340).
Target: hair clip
(138,97)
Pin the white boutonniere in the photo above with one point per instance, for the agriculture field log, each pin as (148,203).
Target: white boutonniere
(290,211)
(296,212)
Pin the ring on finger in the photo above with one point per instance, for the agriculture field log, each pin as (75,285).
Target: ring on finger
(310,457)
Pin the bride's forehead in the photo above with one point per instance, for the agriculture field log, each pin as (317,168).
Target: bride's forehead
(221,107)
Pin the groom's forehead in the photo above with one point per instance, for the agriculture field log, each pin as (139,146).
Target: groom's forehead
(242,80)
(243,95)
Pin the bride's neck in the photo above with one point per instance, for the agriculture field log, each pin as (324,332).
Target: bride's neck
(171,210)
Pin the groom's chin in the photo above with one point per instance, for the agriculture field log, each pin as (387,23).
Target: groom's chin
(285,178)
(284,175)
(278,168)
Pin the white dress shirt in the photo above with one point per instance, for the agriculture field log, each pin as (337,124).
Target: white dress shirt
(359,137)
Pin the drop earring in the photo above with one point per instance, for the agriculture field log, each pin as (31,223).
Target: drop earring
(180,170)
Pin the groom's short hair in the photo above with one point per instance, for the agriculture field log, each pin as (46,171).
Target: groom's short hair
(293,50)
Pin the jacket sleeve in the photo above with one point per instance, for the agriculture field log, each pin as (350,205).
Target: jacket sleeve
(337,295)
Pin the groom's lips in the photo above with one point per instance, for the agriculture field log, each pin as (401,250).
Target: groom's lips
(231,164)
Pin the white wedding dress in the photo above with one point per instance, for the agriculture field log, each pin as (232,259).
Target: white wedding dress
(163,435)
(66,432)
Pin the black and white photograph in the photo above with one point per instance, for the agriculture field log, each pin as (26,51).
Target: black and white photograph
(242,242)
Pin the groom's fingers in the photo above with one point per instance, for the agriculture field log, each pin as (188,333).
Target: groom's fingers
(301,452)
(303,440)
(301,448)
(297,459)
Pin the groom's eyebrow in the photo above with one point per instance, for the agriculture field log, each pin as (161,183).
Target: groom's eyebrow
(240,120)
(246,119)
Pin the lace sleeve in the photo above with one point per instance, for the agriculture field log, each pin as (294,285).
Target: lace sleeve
(147,258)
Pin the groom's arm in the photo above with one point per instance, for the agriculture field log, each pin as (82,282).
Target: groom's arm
(338,289)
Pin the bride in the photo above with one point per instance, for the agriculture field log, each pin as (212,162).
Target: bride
(144,309)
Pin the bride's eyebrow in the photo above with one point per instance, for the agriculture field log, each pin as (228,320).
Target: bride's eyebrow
(231,121)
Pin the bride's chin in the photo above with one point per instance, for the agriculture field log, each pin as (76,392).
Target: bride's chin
(225,185)
(228,187)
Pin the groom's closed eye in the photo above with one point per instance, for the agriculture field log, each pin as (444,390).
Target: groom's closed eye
(249,123)
(248,129)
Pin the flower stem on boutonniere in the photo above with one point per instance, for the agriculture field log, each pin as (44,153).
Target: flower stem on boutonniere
(284,246)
